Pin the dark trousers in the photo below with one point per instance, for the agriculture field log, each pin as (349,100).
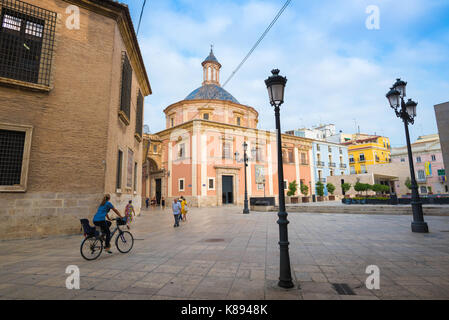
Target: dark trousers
(104,225)
(176,219)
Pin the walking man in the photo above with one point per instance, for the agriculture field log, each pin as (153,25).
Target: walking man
(176,211)
(147,201)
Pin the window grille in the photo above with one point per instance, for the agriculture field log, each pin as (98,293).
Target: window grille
(11,156)
(119,170)
(125,100)
(27,35)
(139,113)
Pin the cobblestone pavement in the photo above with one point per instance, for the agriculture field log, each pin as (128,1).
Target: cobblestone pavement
(220,253)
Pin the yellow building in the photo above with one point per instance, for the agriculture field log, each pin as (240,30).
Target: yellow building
(366,151)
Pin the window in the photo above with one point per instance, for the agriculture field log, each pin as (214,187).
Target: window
(226,150)
(139,116)
(238,121)
(362,157)
(181,184)
(181,151)
(172,122)
(15,143)
(155,148)
(351,158)
(211,184)
(318,147)
(205,116)
(352,169)
(423,189)
(27,37)
(340,150)
(129,169)
(303,158)
(329,149)
(402,160)
(125,97)
(331,173)
(418,159)
(288,156)
(119,170)
(285,184)
(363,169)
(433,157)
(135,177)
(421,175)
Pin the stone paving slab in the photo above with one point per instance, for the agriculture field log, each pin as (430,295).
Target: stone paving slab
(241,261)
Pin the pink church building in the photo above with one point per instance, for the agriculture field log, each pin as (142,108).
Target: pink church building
(200,154)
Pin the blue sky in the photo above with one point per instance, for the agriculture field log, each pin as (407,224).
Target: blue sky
(338,71)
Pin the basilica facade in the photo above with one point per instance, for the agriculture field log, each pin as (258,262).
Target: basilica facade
(200,153)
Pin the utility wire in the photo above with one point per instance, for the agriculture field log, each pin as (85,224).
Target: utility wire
(141,14)
(258,41)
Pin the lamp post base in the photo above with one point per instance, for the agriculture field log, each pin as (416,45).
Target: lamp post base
(287,284)
(420,227)
(245,207)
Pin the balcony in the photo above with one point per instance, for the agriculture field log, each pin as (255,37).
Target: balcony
(305,163)
(323,180)
(361,159)
(332,164)
(421,180)
(343,166)
(320,164)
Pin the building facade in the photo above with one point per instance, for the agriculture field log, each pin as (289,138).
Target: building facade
(320,132)
(70,114)
(428,162)
(202,149)
(442,117)
(367,151)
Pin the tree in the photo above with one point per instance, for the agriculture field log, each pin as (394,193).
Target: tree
(377,188)
(330,188)
(292,187)
(319,188)
(408,183)
(385,189)
(346,186)
(359,187)
(304,189)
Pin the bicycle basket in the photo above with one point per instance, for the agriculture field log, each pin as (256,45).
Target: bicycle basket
(121,222)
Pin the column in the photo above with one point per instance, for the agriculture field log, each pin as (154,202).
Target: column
(170,160)
(298,175)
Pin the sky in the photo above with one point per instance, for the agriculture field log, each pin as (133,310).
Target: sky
(338,70)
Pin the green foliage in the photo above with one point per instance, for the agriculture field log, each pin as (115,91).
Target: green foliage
(330,188)
(360,187)
(292,187)
(381,188)
(385,189)
(346,186)
(304,189)
(408,183)
(319,188)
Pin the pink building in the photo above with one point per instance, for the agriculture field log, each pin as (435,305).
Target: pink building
(201,154)
(428,162)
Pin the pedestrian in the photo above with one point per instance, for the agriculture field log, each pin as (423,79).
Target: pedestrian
(163,203)
(129,211)
(176,211)
(184,208)
(100,220)
(147,202)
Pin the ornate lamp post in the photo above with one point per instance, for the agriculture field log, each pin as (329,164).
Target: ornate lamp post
(276,85)
(407,112)
(245,161)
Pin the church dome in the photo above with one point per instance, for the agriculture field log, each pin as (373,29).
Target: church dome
(211,92)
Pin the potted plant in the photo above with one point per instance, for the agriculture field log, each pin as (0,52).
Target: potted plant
(346,187)
(320,190)
(331,188)
(305,191)
(292,187)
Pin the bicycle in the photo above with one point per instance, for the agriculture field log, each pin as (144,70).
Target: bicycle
(92,245)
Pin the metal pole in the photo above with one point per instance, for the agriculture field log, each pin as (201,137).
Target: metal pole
(418,224)
(245,160)
(285,277)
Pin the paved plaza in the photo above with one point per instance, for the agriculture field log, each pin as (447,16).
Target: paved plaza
(220,253)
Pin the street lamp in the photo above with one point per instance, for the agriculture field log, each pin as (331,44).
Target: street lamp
(245,160)
(407,112)
(275,86)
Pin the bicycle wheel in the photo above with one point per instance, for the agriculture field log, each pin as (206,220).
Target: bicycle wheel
(124,242)
(91,248)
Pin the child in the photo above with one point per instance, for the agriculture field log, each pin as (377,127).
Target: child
(184,208)
(129,211)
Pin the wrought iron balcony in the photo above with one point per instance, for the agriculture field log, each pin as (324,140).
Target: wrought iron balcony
(343,165)
(332,164)
(320,163)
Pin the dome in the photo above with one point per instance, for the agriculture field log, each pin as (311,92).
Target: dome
(211,92)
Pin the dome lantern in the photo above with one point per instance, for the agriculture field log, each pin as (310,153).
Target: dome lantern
(211,69)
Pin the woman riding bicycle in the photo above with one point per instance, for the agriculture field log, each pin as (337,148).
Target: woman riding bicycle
(100,219)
